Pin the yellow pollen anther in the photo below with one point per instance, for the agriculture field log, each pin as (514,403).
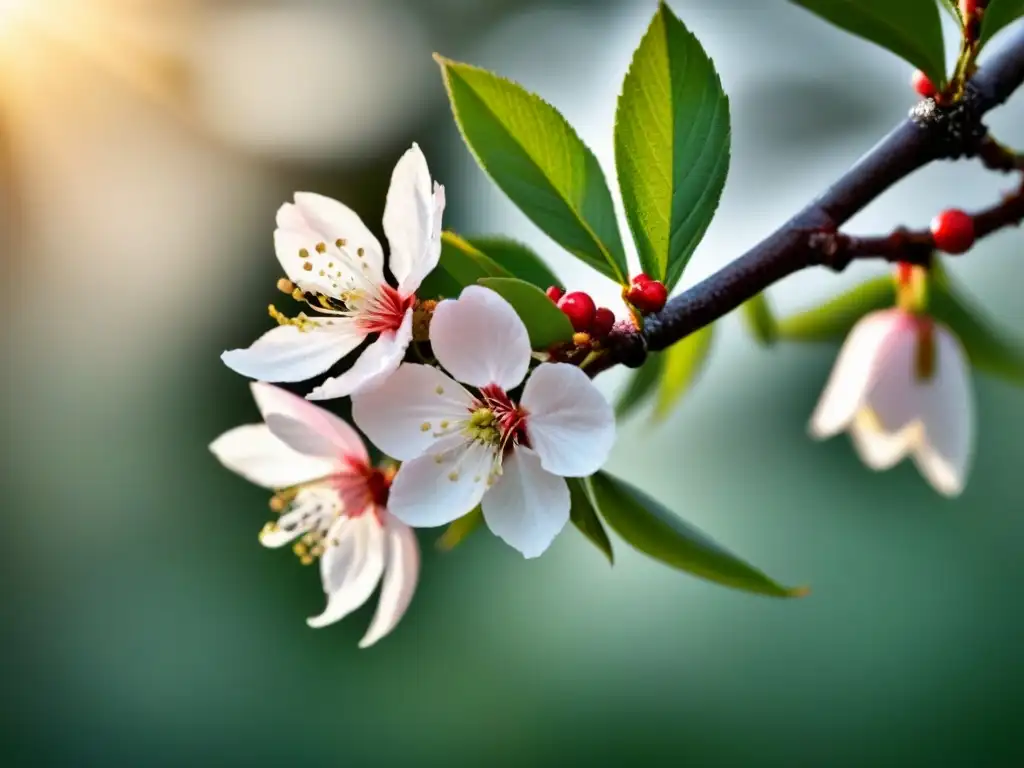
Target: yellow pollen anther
(481,417)
(439,458)
(581,339)
(303,253)
(330,265)
(439,390)
(425,426)
(444,424)
(306,560)
(360,252)
(308,266)
(322,273)
(340,242)
(321,247)
(284,285)
(298,295)
(299,549)
(453,476)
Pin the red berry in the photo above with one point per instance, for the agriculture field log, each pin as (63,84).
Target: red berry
(641,279)
(919,80)
(953,231)
(648,297)
(604,319)
(579,308)
(554,293)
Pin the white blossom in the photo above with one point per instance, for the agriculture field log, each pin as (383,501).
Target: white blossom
(337,266)
(329,495)
(462,447)
(902,386)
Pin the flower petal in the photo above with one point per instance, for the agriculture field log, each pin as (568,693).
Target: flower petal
(376,363)
(443,484)
(334,221)
(313,507)
(412,221)
(948,416)
(401,573)
(343,438)
(393,415)
(878,449)
(480,340)
(349,580)
(287,354)
(528,506)
(852,373)
(323,270)
(253,452)
(570,424)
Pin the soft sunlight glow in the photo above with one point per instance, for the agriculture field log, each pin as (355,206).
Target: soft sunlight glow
(12,12)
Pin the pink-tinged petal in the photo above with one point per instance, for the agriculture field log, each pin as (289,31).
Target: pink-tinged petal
(880,450)
(412,221)
(335,221)
(442,485)
(376,363)
(349,580)
(527,507)
(401,574)
(853,372)
(405,415)
(342,438)
(948,417)
(896,394)
(480,340)
(253,452)
(286,353)
(568,421)
(312,508)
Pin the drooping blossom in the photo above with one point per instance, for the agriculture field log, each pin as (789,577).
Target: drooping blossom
(902,386)
(332,501)
(336,265)
(467,445)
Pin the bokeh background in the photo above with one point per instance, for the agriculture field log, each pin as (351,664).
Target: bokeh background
(144,147)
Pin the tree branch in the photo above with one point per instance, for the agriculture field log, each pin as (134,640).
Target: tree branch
(930,133)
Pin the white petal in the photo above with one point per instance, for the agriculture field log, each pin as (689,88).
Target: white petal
(412,221)
(287,354)
(527,507)
(878,449)
(330,272)
(443,484)
(334,221)
(313,507)
(852,373)
(401,573)
(570,424)
(480,340)
(947,413)
(254,453)
(376,363)
(342,437)
(895,394)
(349,581)
(393,415)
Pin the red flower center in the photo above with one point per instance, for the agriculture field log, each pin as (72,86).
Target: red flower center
(365,490)
(386,311)
(511,418)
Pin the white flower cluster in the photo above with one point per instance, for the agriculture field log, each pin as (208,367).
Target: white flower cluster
(463,435)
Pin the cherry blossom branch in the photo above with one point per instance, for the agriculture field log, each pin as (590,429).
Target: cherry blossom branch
(930,133)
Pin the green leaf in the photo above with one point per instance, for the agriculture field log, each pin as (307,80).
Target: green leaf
(517,260)
(758,315)
(459,529)
(641,385)
(684,361)
(546,323)
(650,528)
(912,29)
(671,146)
(585,518)
(539,161)
(834,319)
(461,264)
(998,15)
(988,350)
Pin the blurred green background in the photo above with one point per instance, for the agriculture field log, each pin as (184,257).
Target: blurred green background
(144,147)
